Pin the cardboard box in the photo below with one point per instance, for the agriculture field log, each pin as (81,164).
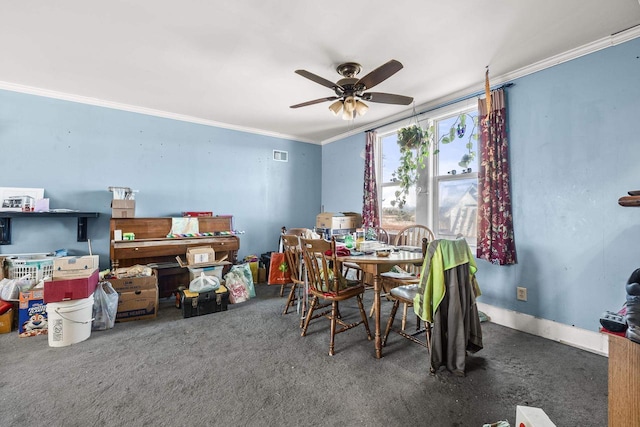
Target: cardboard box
(70,288)
(123,208)
(202,256)
(338,220)
(137,305)
(75,266)
(6,321)
(32,315)
(134,284)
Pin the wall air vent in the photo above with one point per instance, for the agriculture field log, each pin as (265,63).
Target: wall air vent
(280,156)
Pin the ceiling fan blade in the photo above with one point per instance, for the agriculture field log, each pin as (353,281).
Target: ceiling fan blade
(380,74)
(318,79)
(387,98)
(315,101)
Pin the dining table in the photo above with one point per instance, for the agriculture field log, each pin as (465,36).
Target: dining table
(376,265)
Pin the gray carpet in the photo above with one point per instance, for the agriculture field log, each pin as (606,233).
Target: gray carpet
(249,366)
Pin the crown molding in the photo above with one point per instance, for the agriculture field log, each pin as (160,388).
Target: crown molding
(612,40)
(13,87)
(605,42)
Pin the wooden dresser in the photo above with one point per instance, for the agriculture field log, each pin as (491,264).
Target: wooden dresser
(151,246)
(624,382)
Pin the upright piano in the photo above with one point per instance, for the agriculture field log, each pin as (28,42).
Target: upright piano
(152,246)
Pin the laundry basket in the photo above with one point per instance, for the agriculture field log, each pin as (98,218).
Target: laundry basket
(36,266)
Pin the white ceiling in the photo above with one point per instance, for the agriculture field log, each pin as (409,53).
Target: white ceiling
(232,63)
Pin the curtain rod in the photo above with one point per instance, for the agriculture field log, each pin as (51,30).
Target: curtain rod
(446,104)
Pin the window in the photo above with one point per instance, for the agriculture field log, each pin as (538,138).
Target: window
(393,217)
(445,193)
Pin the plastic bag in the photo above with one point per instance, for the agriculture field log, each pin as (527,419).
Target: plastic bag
(204,283)
(245,271)
(105,307)
(10,288)
(236,284)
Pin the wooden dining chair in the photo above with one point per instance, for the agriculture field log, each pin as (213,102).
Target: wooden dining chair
(382,236)
(447,305)
(293,255)
(405,294)
(299,232)
(411,237)
(328,285)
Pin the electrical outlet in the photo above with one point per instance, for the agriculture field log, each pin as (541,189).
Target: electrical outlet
(521,293)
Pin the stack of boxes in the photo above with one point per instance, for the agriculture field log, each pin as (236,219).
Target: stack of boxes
(74,280)
(74,277)
(138,297)
(329,224)
(201,260)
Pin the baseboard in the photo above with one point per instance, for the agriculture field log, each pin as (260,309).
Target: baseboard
(591,341)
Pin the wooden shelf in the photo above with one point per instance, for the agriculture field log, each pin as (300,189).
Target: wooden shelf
(5,222)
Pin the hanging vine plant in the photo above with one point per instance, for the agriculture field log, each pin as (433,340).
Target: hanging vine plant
(416,144)
(459,129)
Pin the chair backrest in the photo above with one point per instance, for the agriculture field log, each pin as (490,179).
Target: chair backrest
(414,235)
(293,254)
(302,232)
(322,269)
(382,235)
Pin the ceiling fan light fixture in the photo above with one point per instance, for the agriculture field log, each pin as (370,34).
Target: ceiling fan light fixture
(349,104)
(361,108)
(336,107)
(348,115)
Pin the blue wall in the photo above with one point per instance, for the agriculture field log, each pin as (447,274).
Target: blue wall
(343,174)
(76,151)
(575,150)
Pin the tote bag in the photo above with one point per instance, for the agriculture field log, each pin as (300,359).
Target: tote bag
(279,271)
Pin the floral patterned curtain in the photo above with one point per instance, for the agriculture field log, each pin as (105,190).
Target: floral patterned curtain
(496,242)
(370,214)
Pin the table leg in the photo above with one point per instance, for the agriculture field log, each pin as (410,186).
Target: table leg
(377,284)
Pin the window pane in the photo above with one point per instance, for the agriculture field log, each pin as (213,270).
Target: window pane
(394,218)
(458,205)
(457,138)
(390,156)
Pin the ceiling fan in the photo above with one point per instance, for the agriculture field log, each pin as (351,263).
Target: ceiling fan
(350,91)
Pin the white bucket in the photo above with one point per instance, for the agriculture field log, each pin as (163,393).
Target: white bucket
(69,321)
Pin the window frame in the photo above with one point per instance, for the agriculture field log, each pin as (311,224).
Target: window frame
(427,185)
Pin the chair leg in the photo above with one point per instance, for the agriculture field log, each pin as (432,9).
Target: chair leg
(314,302)
(292,297)
(282,290)
(392,317)
(404,315)
(334,312)
(363,315)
